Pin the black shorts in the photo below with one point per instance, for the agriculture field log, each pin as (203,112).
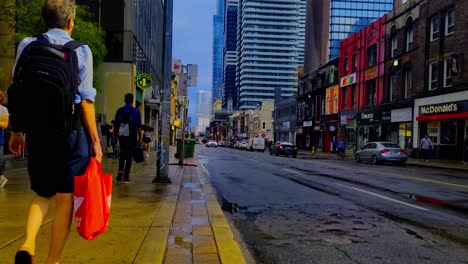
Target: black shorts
(146,140)
(52,165)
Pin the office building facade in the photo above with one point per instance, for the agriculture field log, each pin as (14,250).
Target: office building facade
(229,93)
(218,44)
(330,21)
(268,53)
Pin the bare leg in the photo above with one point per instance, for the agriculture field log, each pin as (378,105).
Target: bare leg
(60,226)
(37,212)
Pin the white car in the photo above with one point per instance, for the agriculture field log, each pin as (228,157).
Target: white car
(212,143)
(257,144)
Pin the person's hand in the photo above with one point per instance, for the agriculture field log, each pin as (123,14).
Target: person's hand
(97,151)
(16,144)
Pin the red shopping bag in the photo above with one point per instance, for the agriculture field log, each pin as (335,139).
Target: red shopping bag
(92,201)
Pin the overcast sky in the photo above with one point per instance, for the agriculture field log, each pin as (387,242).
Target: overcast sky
(193,39)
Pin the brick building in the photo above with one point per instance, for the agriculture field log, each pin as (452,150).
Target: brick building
(405,49)
(361,71)
(441,104)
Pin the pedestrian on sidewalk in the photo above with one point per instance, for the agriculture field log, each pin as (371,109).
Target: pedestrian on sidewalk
(60,130)
(128,126)
(4,120)
(341,146)
(334,144)
(426,146)
(147,141)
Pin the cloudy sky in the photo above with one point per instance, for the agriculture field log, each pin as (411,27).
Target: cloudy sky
(193,38)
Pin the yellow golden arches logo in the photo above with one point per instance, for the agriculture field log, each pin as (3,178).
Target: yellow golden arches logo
(143,80)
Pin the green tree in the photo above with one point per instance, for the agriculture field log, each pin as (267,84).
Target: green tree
(25,20)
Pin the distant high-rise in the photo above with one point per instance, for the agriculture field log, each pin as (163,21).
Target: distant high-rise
(268,48)
(330,21)
(218,44)
(230,54)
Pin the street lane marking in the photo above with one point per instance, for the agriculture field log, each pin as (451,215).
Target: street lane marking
(383,197)
(292,171)
(400,176)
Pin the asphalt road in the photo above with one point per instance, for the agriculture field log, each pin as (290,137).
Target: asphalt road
(327,211)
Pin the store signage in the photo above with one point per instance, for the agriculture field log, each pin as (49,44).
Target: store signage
(307,124)
(386,117)
(402,115)
(317,128)
(369,118)
(445,108)
(344,119)
(285,125)
(348,80)
(371,71)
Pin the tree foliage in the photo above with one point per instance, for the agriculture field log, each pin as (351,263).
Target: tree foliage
(25,20)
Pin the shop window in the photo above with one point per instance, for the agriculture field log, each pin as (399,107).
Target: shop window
(263,125)
(353,96)
(370,92)
(372,55)
(433,75)
(344,97)
(408,83)
(393,87)
(435,28)
(355,63)
(450,22)
(328,105)
(345,67)
(448,132)
(335,104)
(409,34)
(393,42)
(449,66)
(433,131)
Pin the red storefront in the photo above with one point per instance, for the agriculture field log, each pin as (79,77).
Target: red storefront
(361,71)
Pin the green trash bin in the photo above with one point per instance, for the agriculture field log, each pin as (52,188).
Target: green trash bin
(190,146)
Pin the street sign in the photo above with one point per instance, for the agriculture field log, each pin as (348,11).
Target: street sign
(143,80)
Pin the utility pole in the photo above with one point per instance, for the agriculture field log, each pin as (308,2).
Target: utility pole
(183,115)
(162,171)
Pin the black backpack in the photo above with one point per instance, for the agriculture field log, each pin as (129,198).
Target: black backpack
(45,82)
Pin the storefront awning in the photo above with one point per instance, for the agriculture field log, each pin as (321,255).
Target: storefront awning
(442,117)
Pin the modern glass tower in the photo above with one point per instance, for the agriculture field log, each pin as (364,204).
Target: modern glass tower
(268,48)
(218,44)
(330,21)
(230,54)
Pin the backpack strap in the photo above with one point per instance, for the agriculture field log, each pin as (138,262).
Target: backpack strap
(73,45)
(42,38)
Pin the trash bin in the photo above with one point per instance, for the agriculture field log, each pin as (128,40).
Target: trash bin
(189,148)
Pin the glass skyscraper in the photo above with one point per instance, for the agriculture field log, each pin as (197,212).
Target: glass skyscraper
(218,44)
(230,54)
(349,16)
(269,49)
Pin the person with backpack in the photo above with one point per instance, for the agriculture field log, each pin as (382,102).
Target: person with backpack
(128,126)
(51,104)
(4,119)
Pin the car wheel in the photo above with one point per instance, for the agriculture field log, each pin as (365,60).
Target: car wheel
(357,158)
(374,160)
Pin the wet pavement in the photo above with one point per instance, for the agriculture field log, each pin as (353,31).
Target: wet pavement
(327,211)
(177,223)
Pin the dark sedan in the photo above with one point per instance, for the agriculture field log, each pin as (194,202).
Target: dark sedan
(283,148)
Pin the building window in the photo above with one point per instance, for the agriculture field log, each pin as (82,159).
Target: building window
(433,75)
(393,87)
(433,131)
(450,22)
(448,132)
(408,84)
(344,97)
(328,106)
(353,96)
(372,55)
(323,107)
(449,65)
(346,67)
(355,63)
(335,104)
(370,92)
(409,34)
(263,125)
(393,42)
(435,28)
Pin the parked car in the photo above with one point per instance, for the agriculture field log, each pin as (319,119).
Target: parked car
(223,143)
(231,144)
(212,143)
(243,145)
(283,148)
(237,145)
(377,152)
(257,144)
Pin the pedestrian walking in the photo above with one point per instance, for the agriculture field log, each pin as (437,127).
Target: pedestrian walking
(334,144)
(128,126)
(147,141)
(341,146)
(53,77)
(4,119)
(425,146)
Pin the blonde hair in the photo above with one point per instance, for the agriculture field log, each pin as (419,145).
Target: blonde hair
(57,13)
(2,97)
